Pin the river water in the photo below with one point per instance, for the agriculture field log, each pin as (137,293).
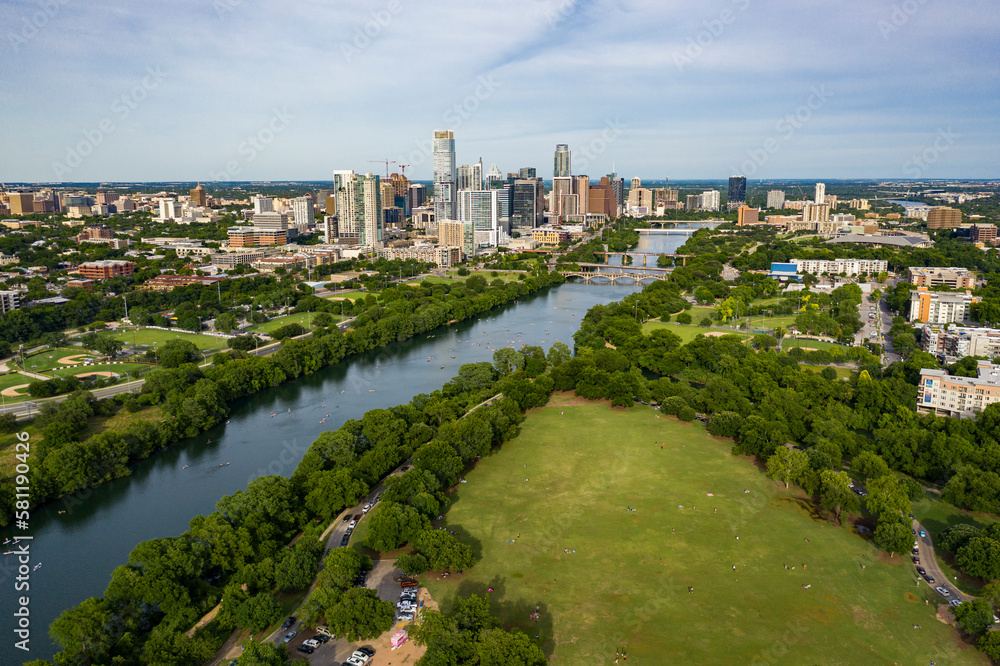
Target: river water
(266,434)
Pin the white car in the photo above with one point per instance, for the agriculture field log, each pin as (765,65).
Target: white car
(361,656)
(351,525)
(404,616)
(312,642)
(354,661)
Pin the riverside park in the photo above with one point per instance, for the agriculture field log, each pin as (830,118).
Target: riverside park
(628,530)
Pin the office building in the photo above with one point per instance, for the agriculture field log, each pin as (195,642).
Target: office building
(983,233)
(21,203)
(330,207)
(602,199)
(171,209)
(304,211)
(962,397)
(482,209)
(444,175)
(453,233)
(942,217)
(527,203)
(938,307)
(9,301)
(956,278)
(820,197)
(747,215)
(562,166)
(527,172)
(418,196)
(198,196)
(618,187)
(581,188)
(263,204)
(105,269)
(775,198)
(841,266)
(737,192)
(710,200)
(639,197)
(271,220)
(256,236)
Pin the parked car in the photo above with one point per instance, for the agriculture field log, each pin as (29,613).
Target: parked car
(351,525)
(921,571)
(312,642)
(290,635)
(308,649)
(955,602)
(288,623)
(404,616)
(923,534)
(366,651)
(408,583)
(943,591)
(354,661)
(361,656)
(929,579)
(320,638)
(324,630)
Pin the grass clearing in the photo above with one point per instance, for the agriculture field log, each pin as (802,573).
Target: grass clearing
(149,336)
(627,581)
(303,318)
(842,373)
(688,332)
(50,360)
(15,379)
(788,343)
(117,368)
(346,295)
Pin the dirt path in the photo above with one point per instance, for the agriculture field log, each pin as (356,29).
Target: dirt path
(74,359)
(12,391)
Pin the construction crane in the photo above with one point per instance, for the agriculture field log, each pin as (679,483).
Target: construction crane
(402,168)
(387,163)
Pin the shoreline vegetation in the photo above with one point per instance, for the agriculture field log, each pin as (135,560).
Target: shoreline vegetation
(194,400)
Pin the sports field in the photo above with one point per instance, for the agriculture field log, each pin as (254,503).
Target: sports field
(9,381)
(550,515)
(102,369)
(688,332)
(147,336)
(51,359)
(303,318)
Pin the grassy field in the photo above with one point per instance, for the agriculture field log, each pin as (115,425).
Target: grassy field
(148,336)
(788,343)
(13,379)
(303,318)
(50,359)
(549,514)
(349,295)
(842,373)
(688,332)
(117,368)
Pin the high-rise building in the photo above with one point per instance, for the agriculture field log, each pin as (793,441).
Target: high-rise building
(636,182)
(561,165)
(454,233)
(331,230)
(563,202)
(22,203)
(816,212)
(470,177)
(304,210)
(775,198)
(363,217)
(820,193)
(527,206)
(482,209)
(444,175)
(262,204)
(331,204)
(983,233)
(942,217)
(602,199)
(581,188)
(494,178)
(618,187)
(710,200)
(270,220)
(340,177)
(747,215)
(401,192)
(527,172)
(640,197)
(418,195)
(737,192)
(170,209)
(111,197)
(198,196)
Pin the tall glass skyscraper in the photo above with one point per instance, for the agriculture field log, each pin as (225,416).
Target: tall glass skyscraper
(445,184)
(737,190)
(561,163)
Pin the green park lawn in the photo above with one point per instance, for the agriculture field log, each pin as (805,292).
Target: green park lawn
(117,368)
(149,336)
(349,295)
(842,373)
(303,318)
(787,343)
(566,483)
(50,359)
(688,332)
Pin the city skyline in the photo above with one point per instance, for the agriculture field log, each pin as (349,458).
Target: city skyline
(111,92)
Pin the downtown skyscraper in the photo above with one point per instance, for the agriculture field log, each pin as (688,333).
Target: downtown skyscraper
(561,166)
(445,185)
(737,192)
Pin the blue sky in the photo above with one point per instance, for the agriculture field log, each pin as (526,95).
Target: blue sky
(258,90)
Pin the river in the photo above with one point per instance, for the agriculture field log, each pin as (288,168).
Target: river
(79,549)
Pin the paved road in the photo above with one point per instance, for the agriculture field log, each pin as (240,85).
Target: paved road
(928,560)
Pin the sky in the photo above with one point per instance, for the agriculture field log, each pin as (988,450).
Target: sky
(236,90)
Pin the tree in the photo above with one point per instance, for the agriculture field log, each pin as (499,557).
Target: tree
(870,465)
(974,617)
(787,464)
(684,318)
(444,551)
(342,566)
(296,569)
(836,494)
(496,647)
(258,612)
(893,536)
(507,360)
(411,564)
(244,342)
(956,536)
(989,643)
(263,653)
(103,344)
(393,525)
(559,353)
(980,557)
(177,352)
(725,424)
(360,615)
(887,498)
(226,322)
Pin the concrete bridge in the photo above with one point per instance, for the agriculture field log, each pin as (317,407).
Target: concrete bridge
(645,256)
(591,272)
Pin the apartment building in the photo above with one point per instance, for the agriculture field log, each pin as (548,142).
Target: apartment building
(960,341)
(956,278)
(963,397)
(442,255)
(838,266)
(9,300)
(108,268)
(936,307)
